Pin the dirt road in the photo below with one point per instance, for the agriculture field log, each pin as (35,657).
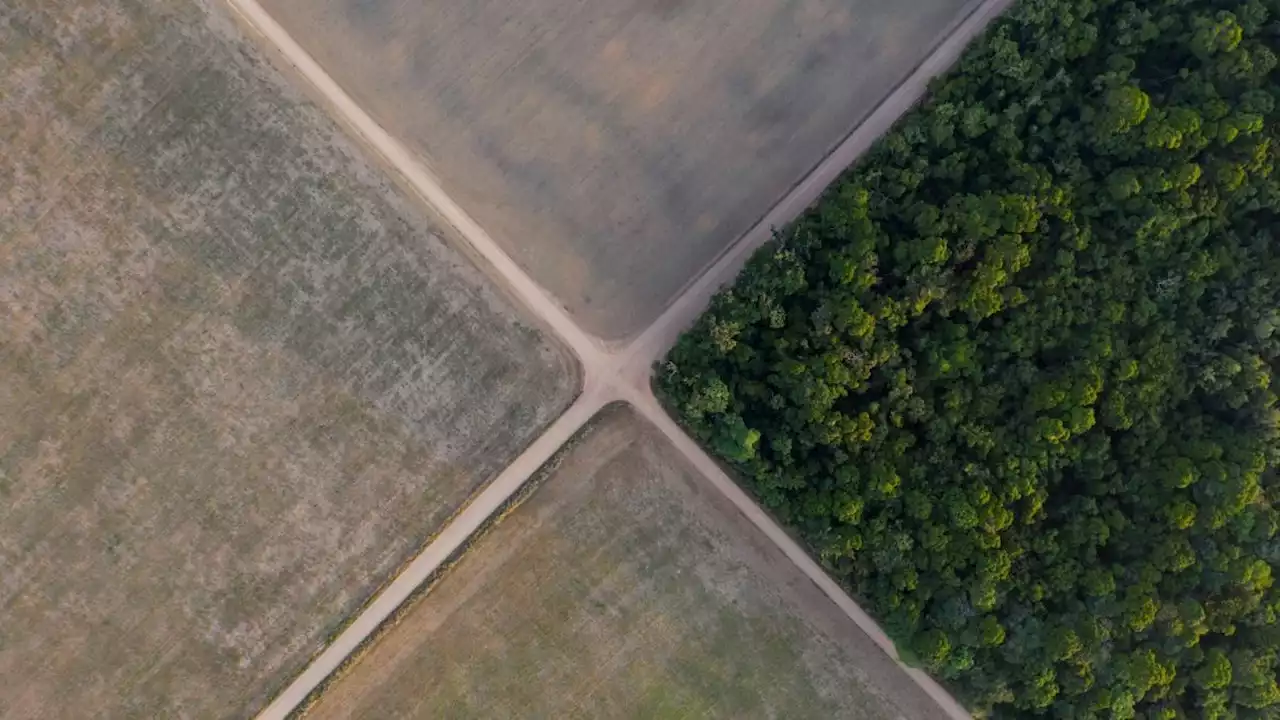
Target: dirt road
(610,373)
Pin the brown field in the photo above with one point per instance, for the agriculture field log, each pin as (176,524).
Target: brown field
(615,147)
(241,378)
(624,587)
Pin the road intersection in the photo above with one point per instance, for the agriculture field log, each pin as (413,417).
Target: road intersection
(611,372)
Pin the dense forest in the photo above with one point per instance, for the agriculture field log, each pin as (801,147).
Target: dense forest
(1012,377)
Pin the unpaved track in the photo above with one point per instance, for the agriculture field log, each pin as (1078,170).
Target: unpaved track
(610,373)
(438,551)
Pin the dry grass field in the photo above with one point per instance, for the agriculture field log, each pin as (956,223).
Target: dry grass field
(615,147)
(241,378)
(624,587)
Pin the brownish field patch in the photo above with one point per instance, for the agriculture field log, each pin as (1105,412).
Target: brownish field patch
(241,379)
(624,587)
(615,147)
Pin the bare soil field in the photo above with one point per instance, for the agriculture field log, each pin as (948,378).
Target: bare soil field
(242,378)
(624,587)
(615,147)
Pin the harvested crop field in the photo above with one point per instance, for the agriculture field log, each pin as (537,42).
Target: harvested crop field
(613,147)
(625,586)
(242,378)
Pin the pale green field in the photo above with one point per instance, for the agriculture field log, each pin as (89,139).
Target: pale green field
(241,379)
(624,587)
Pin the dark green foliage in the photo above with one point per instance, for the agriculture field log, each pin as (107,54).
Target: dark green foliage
(1011,377)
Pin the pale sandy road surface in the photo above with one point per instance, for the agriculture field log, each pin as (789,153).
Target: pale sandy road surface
(610,374)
